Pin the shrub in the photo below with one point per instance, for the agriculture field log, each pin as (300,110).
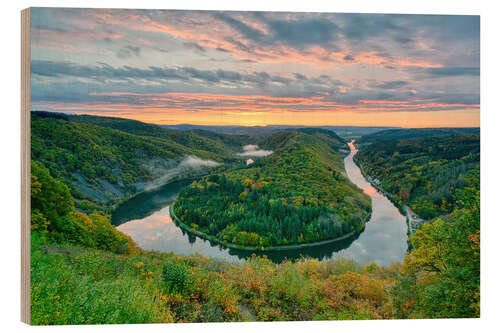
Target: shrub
(175,276)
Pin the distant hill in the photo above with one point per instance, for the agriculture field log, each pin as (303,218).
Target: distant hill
(322,132)
(343,131)
(282,138)
(413,133)
(201,139)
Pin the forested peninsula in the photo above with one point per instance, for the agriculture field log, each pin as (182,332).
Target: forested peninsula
(297,195)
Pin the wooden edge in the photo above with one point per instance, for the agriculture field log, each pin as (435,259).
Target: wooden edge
(25,166)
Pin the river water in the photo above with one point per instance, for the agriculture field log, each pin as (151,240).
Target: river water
(147,220)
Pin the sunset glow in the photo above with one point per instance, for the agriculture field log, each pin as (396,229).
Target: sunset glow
(236,68)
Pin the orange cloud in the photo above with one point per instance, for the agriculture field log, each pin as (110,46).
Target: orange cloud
(219,34)
(174,108)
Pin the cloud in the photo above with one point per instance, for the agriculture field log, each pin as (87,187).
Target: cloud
(128,51)
(194,46)
(320,39)
(248,63)
(293,33)
(299,76)
(187,164)
(254,151)
(403,39)
(191,162)
(242,28)
(301,33)
(359,27)
(239,45)
(298,85)
(392,84)
(104,71)
(452,71)
(104,87)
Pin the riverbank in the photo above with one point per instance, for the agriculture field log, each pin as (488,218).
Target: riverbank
(412,220)
(213,239)
(403,209)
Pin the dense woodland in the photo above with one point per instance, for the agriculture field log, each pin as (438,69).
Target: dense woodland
(84,271)
(414,133)
(298,194)
(103,160)
(423,173)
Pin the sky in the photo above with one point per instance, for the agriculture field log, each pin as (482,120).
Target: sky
(257,68)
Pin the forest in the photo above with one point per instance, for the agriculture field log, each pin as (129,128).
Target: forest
(424,173)
(414,133)
(104,160)
(84,271)
(298,194)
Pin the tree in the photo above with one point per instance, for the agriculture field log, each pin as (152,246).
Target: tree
(49,196)
(445,263)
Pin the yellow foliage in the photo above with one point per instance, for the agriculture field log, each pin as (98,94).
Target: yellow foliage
(362,286)
(247,182)
(312,268)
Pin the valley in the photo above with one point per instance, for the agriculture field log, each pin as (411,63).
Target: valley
(302,192)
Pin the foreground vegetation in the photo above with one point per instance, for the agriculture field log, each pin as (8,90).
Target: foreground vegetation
(423,173)
(83,271)
(299,194)
(72,284)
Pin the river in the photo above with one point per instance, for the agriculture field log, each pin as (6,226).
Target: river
(147,220)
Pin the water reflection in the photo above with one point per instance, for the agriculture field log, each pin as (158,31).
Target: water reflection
(158,232)
(384,238)
(147,220)
(147,203)
(320,252)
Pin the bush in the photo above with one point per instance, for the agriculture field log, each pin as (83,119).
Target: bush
(175,276)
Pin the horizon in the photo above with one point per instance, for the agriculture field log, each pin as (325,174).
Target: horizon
(224,68)
(235,125)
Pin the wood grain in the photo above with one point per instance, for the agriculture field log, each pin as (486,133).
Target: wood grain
(25,166)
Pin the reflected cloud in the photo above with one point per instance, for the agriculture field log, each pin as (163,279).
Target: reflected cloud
(370,190)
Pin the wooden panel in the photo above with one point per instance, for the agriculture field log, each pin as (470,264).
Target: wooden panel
(25,166)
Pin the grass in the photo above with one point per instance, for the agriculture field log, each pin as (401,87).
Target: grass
(72,285)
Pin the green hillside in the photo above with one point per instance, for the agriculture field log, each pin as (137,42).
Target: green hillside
(103,160)
(204,142)
(414,133)
(84,271)
(423,173)
(299,194)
